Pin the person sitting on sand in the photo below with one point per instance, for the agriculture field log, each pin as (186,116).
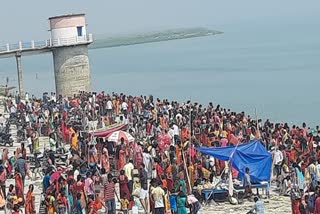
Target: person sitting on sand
(258,206)
(285,186)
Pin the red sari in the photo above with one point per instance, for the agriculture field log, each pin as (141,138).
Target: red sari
(19,186)
(295,204)
(79,187)
(30,206)
(138,155)
(158,169)
(124,190)
(93,206)
(105,161)
(122,159)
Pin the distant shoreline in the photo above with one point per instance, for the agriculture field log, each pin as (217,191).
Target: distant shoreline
(151,37)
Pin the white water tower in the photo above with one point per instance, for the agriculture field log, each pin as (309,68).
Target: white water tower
(69,43)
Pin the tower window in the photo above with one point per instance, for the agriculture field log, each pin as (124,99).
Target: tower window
(79,30)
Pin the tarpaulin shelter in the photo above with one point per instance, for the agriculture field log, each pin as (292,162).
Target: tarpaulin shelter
(252,155)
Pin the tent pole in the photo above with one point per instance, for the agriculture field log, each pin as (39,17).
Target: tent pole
(190,142)
(257,126)
(185,166)
(230,170)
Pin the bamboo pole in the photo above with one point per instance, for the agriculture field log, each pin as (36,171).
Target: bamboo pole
(257,125)
(186,168)
(190,138)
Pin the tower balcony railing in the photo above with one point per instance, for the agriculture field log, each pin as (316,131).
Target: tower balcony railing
(36,45)
(70,40)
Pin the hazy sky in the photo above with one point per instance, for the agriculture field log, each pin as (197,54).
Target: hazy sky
(26,20)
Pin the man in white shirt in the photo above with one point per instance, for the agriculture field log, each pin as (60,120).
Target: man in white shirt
(26,96)
(29,140)
(124,108)
(128,171)
(278,158)
(176,133)
(170,132)
(94,97)
(109,107)
(53,97)
(76,172)
(13,109)
(312,168)
(317,171)
(52,143)
(27,118)
(157,196)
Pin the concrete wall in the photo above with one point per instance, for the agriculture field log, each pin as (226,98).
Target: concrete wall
(67,21)
(64,29)
(71,69)
(66,33)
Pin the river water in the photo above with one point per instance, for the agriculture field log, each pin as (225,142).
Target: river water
(273,69)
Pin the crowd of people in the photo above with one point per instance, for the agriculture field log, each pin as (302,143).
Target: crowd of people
(160,171)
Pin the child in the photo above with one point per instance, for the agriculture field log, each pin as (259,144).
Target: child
(10,196)
(173,202)
(164,181)
(166,201)
(78,204)
(16,209)
(91,206)
(98,202)
(62,202)
(49,203)
(124,204)
(136,185)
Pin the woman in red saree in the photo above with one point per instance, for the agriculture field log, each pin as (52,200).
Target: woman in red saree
(178,154)
(158,168)
(138,155)
(122,158)
(124,190)
(105,160)
(30,199)
(19,186)
(79,188)
(295,205)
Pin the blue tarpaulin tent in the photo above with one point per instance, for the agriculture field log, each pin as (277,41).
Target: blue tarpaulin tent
(252,155)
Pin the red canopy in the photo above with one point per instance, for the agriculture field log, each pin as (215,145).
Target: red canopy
(107,132)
